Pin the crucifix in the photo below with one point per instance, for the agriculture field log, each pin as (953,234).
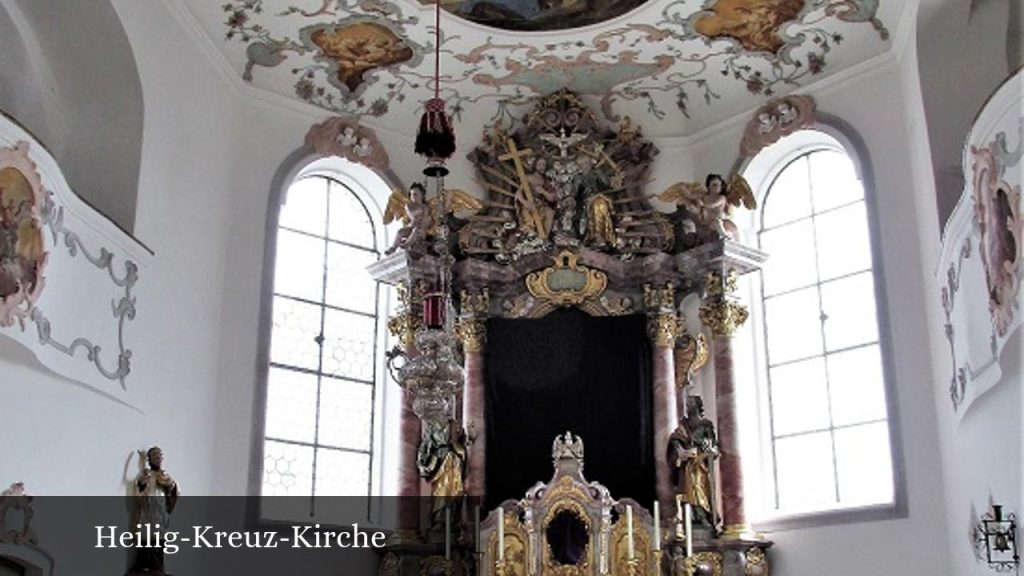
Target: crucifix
(533,218)
(563,141)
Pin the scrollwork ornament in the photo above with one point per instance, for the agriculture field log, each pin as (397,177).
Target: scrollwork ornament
(567,282)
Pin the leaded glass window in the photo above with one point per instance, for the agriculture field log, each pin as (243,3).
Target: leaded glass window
(829,431)
(318,435)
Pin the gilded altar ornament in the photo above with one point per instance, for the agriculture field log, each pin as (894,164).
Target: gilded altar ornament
(566,282)
(663,329)
(621,562)
(692,355)
(720,311)
(660,298)
(756,563)
(475,303)
(472,332)
(703,564)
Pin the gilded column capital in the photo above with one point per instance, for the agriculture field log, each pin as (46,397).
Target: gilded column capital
(720,311)
(407,321)
(663,329)
(472,332)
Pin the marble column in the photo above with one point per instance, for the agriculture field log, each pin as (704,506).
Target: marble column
(666,419)
(472,331)
(729,461)
(663,327)
(476,425)
(723,315)
(408,472)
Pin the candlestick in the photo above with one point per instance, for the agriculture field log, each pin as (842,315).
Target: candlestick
(657,527)
(447,533)
(501,533)
(689,530)
(629,532)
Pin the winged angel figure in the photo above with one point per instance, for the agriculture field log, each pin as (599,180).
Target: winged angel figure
(706,207)
(420,217)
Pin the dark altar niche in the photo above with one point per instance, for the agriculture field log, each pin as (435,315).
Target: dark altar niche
(569,371)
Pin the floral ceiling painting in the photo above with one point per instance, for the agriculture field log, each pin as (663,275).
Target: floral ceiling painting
(675,66)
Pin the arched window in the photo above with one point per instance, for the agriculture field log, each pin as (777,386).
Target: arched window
(827,438)
(324,357)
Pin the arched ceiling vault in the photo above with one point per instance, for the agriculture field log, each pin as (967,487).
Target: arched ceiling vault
(673,66)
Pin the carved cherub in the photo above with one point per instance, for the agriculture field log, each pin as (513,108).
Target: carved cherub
(420,216)
(707,206)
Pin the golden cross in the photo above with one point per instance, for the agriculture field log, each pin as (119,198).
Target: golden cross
(516,156)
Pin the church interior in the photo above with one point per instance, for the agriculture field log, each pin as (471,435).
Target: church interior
(573,287)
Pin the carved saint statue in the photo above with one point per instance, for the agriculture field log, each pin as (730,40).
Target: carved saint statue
(156,494)
(693,448)
(441,460)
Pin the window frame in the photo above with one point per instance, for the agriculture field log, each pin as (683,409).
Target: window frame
(761,171)
(371,191)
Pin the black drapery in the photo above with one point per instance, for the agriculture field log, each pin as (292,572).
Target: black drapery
(572,372)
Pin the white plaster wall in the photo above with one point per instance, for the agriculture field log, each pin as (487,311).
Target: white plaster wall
(869,98)
(62,438)
(72,81)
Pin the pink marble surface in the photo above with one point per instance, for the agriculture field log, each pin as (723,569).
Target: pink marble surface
(475,423)
(408,473)
(666,418)
(729,464)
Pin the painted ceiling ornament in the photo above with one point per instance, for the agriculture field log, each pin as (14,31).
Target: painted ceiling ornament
(23,253)
(777,118)
(347,54)
(352,47)
(562,181)
(756,24)
(346,138)
(997,212)
(353,56)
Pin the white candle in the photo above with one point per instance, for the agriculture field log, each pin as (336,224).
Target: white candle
(629,532)
(689,530)
(501,533)
(447,533)
(657,527)
(476,525)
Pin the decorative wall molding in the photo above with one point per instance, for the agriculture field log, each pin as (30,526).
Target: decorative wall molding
(348,139)
(981,249)
(83,317)
(777,118)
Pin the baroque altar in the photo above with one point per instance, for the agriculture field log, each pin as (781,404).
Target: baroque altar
(564,223)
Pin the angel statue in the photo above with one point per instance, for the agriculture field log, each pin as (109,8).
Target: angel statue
(705,208)
(420,217)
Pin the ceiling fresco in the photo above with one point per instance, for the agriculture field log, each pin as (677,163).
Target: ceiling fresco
(673,66)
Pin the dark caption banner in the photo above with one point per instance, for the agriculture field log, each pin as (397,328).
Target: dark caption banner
(114,536)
